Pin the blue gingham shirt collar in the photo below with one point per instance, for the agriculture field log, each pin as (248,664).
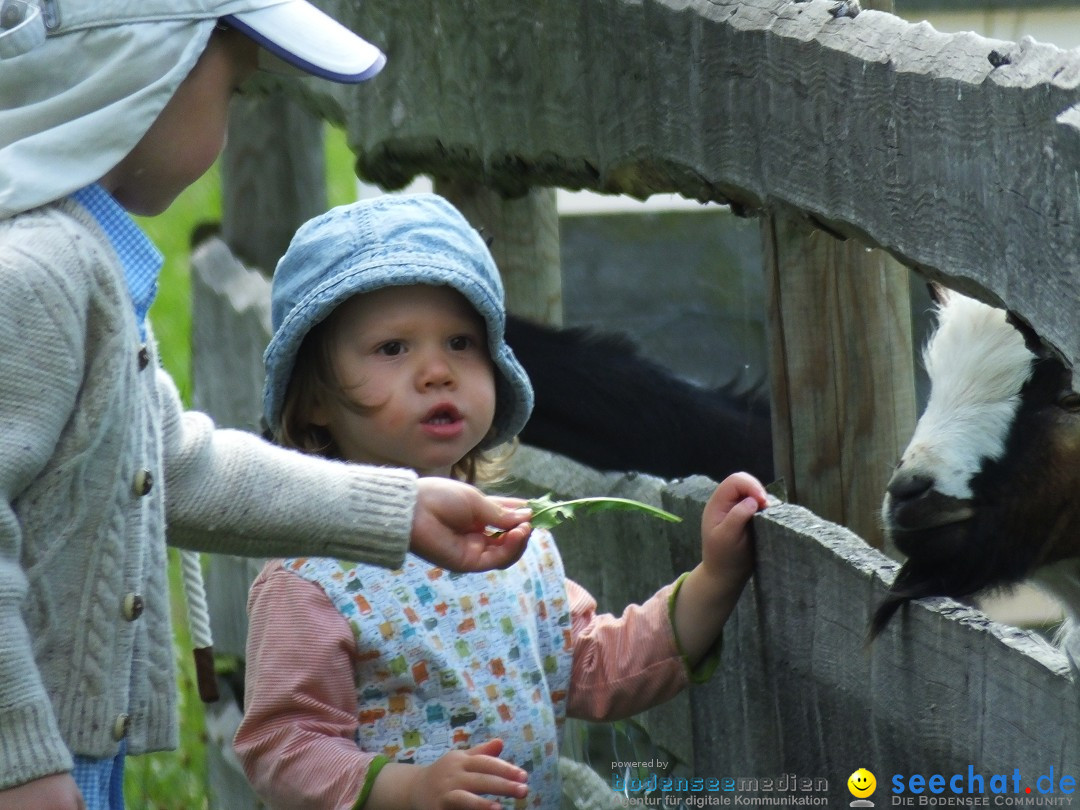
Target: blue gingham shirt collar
(138,256)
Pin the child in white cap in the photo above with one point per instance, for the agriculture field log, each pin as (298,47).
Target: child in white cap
(107,105)
(414,688)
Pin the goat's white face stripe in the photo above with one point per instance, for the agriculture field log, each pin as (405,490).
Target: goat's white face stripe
(977,363)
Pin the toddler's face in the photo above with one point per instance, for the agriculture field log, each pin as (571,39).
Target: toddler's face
(189,134)
(415,360)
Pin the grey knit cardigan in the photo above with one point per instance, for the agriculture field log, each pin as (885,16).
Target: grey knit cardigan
(99,466)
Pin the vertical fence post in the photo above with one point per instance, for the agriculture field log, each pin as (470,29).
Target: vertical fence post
(273,176)
(842,367)
(843,391)
(525,243)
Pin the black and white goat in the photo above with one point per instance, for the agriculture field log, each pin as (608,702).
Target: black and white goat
(600,402)
(987,492)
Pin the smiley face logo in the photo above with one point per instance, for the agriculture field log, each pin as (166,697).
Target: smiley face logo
(861,783)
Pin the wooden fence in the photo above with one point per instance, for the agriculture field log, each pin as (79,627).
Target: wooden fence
(957,155)
(798,691)
(954,153)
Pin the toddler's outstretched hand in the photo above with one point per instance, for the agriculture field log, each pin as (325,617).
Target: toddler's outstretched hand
(451,521)
(725,542)
(710,591)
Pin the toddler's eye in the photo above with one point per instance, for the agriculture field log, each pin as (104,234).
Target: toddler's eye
(391,348)
(461,342)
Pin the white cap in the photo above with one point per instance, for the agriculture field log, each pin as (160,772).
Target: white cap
(306,38)
(294,31)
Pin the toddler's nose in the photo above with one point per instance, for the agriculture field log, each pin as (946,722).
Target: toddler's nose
(435,371)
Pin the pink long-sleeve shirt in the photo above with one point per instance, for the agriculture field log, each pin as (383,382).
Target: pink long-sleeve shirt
(298,737)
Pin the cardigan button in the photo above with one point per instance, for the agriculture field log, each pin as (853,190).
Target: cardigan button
(121,726)
(143,483)
(144,357)
(133,606)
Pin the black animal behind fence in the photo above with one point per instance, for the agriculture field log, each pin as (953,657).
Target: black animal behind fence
(600,402)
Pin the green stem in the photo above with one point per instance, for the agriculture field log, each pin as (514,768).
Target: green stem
(630,504)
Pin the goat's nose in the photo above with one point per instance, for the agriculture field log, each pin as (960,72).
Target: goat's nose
(905,486)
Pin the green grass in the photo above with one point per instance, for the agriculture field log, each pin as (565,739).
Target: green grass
(176,780)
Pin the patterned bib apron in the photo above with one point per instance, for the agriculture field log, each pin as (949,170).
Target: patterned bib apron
(451,660)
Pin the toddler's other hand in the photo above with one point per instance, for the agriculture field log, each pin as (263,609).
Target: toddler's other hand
(454,780)
(451,522)
(57,792)
(709,592)
(725,542)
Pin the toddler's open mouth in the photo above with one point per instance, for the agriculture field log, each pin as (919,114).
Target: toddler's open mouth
(442,414)
(444,421)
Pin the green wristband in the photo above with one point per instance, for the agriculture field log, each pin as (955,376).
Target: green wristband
(711,660)
(369,781)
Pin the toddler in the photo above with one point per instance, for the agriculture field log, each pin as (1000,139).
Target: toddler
(418,688)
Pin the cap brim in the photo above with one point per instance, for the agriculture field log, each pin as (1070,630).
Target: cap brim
(304,37)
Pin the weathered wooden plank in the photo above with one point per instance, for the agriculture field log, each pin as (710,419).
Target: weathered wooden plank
(274,179)
(943,689)
(958,154)
(799,692)
(842,367)
(273,176)
(843,390)
(523,235)
(230,330)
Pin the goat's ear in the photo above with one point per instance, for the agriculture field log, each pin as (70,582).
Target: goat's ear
(1031,337)
(939,293)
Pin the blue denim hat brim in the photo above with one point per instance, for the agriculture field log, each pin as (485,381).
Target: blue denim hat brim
(396,240)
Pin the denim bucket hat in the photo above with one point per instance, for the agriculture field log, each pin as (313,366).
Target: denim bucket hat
(395,240)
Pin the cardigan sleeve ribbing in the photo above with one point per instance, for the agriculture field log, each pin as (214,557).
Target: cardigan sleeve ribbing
(228,491)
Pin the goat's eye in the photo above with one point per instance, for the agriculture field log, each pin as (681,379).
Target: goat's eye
(1069,401)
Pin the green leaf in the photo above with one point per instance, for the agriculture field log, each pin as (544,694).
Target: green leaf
(548,513)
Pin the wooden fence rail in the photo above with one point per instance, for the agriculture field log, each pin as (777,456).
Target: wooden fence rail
(956,153)
(798,691)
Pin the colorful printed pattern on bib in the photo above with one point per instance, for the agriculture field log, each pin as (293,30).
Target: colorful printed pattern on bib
(451,660)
